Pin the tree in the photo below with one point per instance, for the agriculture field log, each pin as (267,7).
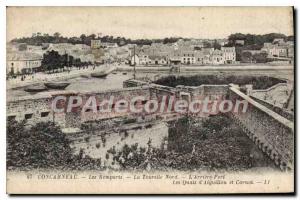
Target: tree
(82,37)
(56,34)
(207,44)
(260,57)
(53,61)
(41,146)
(22,47)
(246,57)
(290,38)
(216,45)
(251,39)
(92,36)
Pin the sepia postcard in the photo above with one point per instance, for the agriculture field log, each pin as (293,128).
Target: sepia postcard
(150,100)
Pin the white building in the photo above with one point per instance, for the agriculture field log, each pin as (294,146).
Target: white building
(140,59)
(157,60)
(95,44)
(23,62)
(216,57)
(109,45)
(240,42)
(82,47)
(229,54)
(188,57)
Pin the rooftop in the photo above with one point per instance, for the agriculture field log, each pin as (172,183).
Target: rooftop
(23,56)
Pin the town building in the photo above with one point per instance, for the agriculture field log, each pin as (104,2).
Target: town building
(23,62)
(157,60)
(279,41)
(199,57)
(291,52)
(95,44)
(175,57)
(159,55)
(188,57)
(82,47)
(229,54)
(222,42)
(239,42)
(216,57)
(279,48)
(140,59)
(108,45)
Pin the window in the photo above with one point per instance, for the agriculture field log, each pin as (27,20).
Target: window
(44,114)
(12,117)
(75,101)
(28,116)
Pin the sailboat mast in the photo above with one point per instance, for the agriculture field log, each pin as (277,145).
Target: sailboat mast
(134,62)
(68,60)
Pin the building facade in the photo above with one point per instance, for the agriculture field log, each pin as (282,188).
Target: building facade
(23,62)
(229,54)
(95,44)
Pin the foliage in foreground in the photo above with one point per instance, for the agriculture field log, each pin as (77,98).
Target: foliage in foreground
(42,146)
(214,144)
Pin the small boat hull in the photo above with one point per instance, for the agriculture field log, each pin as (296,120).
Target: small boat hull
(99,75)
(59,85)
(84,76)
(35,89)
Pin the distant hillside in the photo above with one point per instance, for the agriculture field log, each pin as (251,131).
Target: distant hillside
(256,40)
(38,39)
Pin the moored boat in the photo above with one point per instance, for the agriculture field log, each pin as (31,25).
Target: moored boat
(57,85)
(99,74)
(35,89)
(85,76)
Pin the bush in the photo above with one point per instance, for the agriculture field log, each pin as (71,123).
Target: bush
(98,145)
(41,146)
(259,82)
(87,139)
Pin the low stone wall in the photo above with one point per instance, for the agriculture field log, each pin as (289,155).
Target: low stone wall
(38,109)
(33,110)
(272,133)
(277,94)
(281,111)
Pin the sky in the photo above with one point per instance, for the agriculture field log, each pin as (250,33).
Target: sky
(149,22)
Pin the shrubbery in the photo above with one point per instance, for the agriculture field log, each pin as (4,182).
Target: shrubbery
(259,82)
(43,146)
